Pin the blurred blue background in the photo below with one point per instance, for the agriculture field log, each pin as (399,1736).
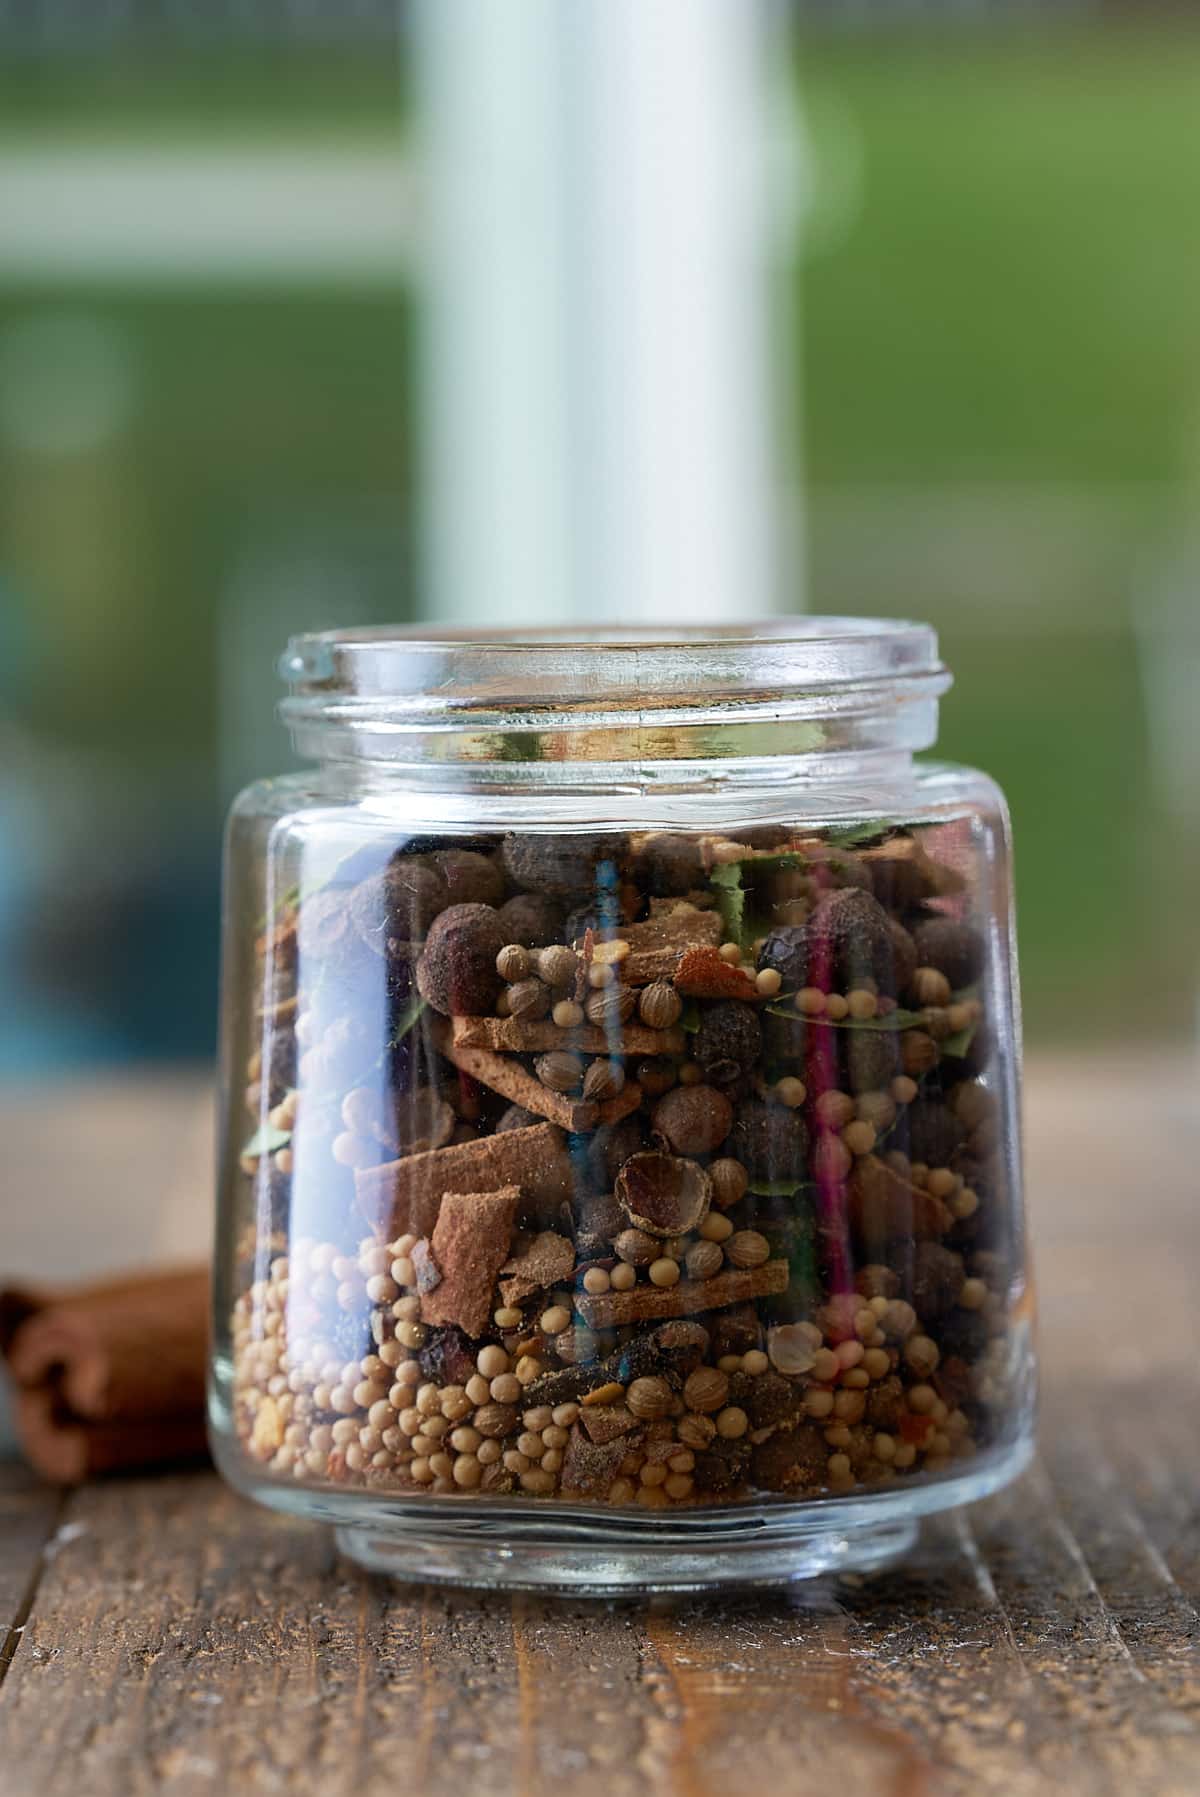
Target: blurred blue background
(988,368)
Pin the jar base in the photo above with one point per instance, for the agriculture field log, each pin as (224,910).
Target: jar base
(454,1554)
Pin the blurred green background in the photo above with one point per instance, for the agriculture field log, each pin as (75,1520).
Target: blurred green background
(996,323)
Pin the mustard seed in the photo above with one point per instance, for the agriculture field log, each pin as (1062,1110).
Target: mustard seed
(836,1007)
(732,1422)
(664,1272)
(791,1092)
(859,1137)
(904,1089)
(715,1228)
(554,1320)
(567,1014)
(491,1360)
(623,1278)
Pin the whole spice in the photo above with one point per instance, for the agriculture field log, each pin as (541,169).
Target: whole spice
(557,965)
(660,1006)
(706,1389)
(729,1040)
(531,919)
(528,999)
(649,1398)
(559,1070)
(603,1080)
(636,1248)
(704,1259)
(610,1006)
(770,1141)
(729,1182)
(513,962)
(457,968)
(747,1248)
(954,949)
(693,1119)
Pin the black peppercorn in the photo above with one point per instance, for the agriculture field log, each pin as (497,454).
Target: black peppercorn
(871,1058)
(470,879)
(531,919)
(937,1279)
(791,1459)
(722,1466)
(770,1140)
(671,864)
(564,866)
(934,1133)
(457,969)
(845,942)
(729,1040)
(955,949)
(773,1399)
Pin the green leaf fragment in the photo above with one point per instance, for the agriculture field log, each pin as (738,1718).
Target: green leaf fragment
(406,1020)
(266,1140)
(731,898)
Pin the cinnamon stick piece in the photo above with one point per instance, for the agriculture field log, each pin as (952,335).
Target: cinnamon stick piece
(403,1197)
(109,1375)
(505,1074)
(610,1310)
(512,1035)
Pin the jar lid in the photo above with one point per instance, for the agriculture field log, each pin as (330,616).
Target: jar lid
(783,688)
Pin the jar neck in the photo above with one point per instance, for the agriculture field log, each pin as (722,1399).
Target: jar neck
(809,700)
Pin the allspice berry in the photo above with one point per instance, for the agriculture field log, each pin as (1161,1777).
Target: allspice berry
(655,1075)
(660,1006)
(706,1390)
(693,1119)
(457,969)
(559,1070)
(649,1398)
(730,1181)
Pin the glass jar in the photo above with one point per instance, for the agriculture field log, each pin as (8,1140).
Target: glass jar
(620,1182)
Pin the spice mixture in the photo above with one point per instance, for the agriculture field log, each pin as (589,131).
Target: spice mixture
(646,1170)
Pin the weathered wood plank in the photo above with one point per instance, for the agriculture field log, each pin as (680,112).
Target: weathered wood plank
(181,1641)
(29,1513)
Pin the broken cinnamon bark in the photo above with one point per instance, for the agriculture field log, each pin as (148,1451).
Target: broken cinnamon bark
(538,1263)
(610,1310)
(512,1035)
(469,1246)
(403,1197)
(658,945)
(505,1074)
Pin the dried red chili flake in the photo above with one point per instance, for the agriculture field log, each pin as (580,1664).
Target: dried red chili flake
(702,973)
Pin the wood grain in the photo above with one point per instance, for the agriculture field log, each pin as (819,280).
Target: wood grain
(1047,1642)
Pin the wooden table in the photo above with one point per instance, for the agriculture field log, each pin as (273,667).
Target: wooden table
(166,1637)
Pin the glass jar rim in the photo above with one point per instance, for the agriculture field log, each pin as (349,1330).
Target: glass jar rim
(781,687)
